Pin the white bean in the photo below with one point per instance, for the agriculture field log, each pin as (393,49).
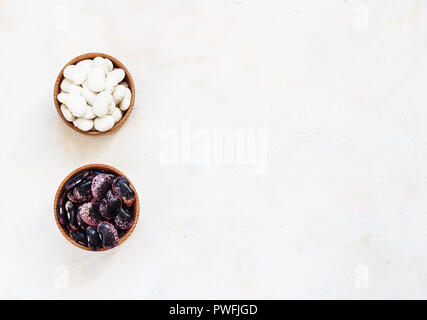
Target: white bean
(89,113)
(117,115)
(101,103)
(100,62)
(70,87)
(114,77)
(83,124)
(66,113)
(76,104)
(104,124)
(88,95)
(96,79)
(111,89)
(109,64)
(124,105)
(74,74)
(119,93)
(111,107)
(62,97)
(85,64)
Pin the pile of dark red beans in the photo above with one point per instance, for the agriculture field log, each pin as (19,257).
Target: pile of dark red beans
(96,208)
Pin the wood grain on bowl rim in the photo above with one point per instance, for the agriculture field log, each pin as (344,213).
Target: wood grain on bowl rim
(136,205)
(117,64)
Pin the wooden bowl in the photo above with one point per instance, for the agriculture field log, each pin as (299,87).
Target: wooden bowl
(117,64)
(134,209)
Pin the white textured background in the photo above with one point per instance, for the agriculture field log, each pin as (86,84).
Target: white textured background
(341,208)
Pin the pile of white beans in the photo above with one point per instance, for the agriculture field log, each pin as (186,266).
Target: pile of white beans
(93,95)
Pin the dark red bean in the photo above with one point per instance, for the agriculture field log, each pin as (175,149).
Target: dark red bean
(110,206)
(74,181)
(109,235)
(93,239)
(61,213)
(100,171)
(79,236)
(100,185)
(121,188)
(124,219)
(71,215)
(82,225)
(120,231)
(89,213)
(75,198)
(82,192)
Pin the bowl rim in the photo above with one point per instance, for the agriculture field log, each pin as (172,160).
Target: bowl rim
(61,189)
(116,63)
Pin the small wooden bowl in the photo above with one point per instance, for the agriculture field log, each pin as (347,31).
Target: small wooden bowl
(117,64)
(135,207)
